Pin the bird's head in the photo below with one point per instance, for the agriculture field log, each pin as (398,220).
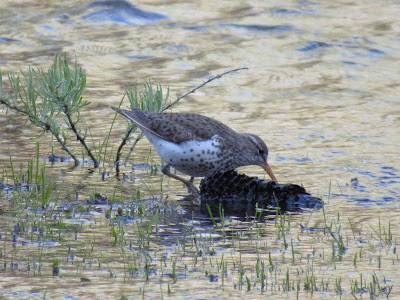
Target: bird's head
(258,153)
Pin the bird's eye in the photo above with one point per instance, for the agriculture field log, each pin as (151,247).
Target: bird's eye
(260,151)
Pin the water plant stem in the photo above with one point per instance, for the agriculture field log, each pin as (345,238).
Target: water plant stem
(79,137)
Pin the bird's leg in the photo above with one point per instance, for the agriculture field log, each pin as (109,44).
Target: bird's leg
(188,183)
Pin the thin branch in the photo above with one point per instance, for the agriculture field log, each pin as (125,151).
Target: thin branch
(138,138)
(46,126)
(123,143)
(63,145)
(201,85)
(6,103)
(80,138)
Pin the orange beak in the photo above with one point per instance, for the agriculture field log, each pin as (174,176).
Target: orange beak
(267,168)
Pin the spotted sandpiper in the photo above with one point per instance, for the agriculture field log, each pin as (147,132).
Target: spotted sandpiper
(197,145)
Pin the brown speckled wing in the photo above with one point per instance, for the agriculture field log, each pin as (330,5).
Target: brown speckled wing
(182,127)
(178,127)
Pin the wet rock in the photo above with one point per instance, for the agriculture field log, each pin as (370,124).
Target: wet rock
(240,194)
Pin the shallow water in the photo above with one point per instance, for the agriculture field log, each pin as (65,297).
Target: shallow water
(321,90)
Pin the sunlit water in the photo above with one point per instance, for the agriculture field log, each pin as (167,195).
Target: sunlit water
(321,89)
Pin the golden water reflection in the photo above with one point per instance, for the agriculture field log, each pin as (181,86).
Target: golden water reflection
(321,90)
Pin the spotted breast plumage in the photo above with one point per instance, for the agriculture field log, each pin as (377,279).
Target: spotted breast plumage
(197,145)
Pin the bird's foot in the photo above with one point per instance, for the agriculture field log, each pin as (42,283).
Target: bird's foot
(193,190)
(189,183)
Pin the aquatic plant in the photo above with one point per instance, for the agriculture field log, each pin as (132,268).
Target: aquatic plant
(53,101)
(149,100)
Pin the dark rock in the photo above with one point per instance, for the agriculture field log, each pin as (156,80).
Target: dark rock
(241,195)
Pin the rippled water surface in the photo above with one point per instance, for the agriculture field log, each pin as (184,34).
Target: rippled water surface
(321,89)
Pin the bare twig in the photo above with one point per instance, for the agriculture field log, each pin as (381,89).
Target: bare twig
(123,143)
(201,85)
(63,145)
(138,138)
(79,137)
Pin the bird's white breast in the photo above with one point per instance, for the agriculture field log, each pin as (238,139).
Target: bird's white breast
(194,158)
